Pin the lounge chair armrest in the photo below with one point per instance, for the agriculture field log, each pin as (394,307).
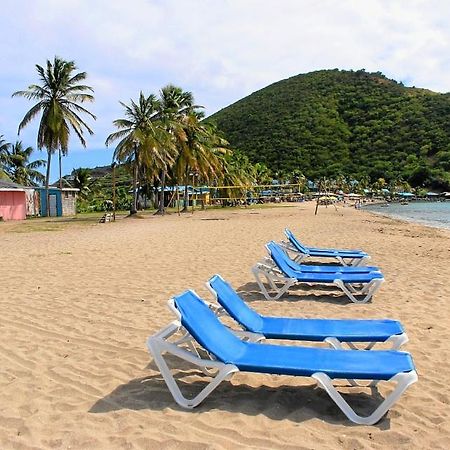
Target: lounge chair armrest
(158,345)
(168,331)
(173,308)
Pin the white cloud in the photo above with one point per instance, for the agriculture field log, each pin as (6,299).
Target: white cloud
(221,50)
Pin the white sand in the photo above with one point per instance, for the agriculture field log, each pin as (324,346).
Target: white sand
(78,304)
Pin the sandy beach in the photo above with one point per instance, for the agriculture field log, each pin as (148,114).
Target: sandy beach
(78,302)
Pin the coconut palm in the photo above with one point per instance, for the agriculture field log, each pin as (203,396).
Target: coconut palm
(238,171)
(201,153)
(262,174)
(144,145)
(18,166)
(175,102)
(59,95)
(82,180)
(3,158)
(175,105)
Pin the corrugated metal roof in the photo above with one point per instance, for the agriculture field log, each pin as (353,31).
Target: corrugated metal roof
(11,186)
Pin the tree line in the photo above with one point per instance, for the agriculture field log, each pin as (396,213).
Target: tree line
(161,139)
(355,128)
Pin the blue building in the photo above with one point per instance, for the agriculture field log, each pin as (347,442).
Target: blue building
(62,202)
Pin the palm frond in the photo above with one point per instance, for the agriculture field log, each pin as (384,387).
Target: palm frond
(76,119)
(117,135)
(80,76)
(30,115)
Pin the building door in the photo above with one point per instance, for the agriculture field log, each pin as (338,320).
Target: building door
(52,203)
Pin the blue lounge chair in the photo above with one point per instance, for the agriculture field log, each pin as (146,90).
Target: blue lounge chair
(322,268)
(344,257)
(280,275)
(230,354)
(335,332)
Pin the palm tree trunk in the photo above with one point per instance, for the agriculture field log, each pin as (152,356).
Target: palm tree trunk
(161,208)
(201,199)
(47,180)
(60,170)
(186,194)
(135,193)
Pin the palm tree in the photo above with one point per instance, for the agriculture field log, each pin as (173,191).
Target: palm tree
(297,177)
(379,185)
(19,168)
(82,180)
(59,95)
(175,104)
(238,171)
(145,145)
(262,174)
(4,146)
(201,153)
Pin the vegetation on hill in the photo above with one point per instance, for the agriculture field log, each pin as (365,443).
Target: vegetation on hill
(352,130)
(334,123)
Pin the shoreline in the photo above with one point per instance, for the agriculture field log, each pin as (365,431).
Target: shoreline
(424,223)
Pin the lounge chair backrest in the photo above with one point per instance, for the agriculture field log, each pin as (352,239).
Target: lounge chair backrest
(279,257)
(295,242)
(205,327)
(229,299)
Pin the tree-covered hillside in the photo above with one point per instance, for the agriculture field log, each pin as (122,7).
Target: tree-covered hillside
(332,123)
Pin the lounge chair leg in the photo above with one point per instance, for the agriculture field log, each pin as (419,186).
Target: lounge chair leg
(262,287)
(397,341)
(271,280)
(356,262)
(299,258)
(368,290)
(403,380)
(341,261)
(158,346)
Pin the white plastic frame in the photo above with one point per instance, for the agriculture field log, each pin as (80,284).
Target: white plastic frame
(273,275)
(158,345)
(344,261)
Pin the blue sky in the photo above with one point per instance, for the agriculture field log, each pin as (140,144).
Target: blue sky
(221,50)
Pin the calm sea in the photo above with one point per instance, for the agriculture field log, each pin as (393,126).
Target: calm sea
(436,214)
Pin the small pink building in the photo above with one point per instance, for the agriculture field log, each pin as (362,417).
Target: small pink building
(12,201)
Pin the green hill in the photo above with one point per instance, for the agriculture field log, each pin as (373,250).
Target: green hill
(333,122)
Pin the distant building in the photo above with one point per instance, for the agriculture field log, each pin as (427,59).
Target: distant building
(197,195)
(17,201)
(13,205)
(312,186)
(62,202)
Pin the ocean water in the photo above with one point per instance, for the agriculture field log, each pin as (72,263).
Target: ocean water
(436,214)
